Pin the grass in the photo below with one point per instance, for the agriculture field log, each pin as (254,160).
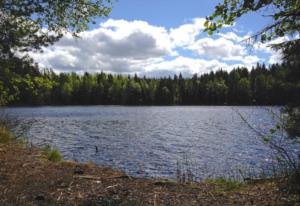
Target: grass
(53,155)
(5,135)
(226,184)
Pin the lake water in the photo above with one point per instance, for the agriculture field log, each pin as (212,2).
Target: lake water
(152,141)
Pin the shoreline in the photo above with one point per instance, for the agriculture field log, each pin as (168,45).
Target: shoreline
(117,105)
(27,177)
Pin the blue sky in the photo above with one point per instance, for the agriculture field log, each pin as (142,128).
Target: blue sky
(172,13)
(158,38)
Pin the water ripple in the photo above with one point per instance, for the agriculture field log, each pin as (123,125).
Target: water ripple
(148,141)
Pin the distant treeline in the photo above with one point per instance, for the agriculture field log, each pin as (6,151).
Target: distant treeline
(27,85)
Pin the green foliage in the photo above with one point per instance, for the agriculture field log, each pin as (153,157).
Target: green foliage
(54,155)
(3,94)
(5,135)
(216,91)
(292,121)
(23,23)
(31,25)
(284,13)
(225,184)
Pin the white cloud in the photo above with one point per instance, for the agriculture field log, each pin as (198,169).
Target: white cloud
(218,48)
(138,35)
(186,34)
(233,36)
(116,46)
(274,56)
(121,46)
(188,65)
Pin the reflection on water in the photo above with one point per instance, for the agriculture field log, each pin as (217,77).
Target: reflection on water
(148,141)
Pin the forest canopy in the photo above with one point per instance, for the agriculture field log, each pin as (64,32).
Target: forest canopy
(273,85)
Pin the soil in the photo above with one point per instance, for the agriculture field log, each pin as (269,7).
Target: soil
(28,178)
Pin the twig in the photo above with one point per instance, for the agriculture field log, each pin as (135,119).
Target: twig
(211,195)
(154,203)
(281,151)
(109,187)
(88,177)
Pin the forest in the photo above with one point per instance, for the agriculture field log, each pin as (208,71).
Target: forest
(24,84)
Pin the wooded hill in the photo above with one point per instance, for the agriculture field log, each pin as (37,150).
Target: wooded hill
(26,84)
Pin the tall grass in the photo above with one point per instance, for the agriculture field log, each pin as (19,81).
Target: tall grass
(53,155)
(5,135)
(226,184)
(187,171)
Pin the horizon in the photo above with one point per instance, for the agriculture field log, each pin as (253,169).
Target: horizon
(172,75)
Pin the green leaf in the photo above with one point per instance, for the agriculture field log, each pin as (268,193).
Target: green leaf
(206,23)
(266,139)
(263,37)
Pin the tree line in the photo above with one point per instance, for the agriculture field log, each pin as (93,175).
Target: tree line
(24,85)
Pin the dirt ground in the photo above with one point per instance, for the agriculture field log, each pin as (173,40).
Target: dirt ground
(28,178)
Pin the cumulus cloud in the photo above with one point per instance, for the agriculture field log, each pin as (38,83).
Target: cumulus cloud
(187,33)
(223,49)
(218,48)
(116,46)
(187,65)
(274,56)
(121,46)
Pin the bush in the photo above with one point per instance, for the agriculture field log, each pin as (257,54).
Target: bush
(54,155)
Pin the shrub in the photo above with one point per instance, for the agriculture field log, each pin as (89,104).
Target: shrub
(54,155)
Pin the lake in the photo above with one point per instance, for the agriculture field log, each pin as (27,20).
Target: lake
(152,141)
